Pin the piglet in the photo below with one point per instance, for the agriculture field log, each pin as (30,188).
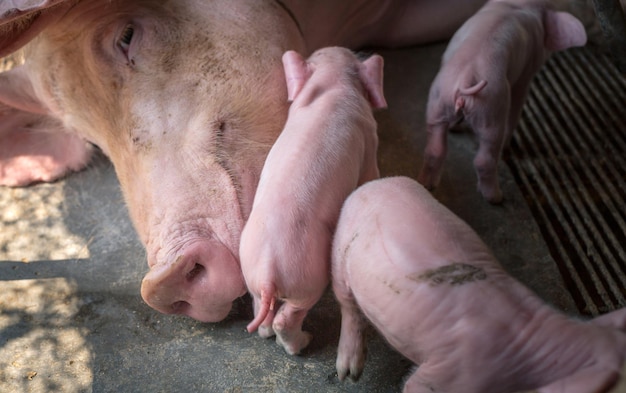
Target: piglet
(434,290)
(484,78)
(327,148)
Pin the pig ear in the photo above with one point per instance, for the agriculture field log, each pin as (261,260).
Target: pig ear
(371,72)
(22,20)
(16,91)
(34,146)
(296,73)
(563,30)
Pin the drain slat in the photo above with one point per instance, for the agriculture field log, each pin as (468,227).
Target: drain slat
(609,197)
(567,155)
(586,80)
(530,181)
(601,69)
(566,215)
(591,125)
(596,222)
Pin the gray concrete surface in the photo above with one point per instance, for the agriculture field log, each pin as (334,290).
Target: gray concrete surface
(72,319)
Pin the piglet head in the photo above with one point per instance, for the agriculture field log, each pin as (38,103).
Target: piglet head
(370,71)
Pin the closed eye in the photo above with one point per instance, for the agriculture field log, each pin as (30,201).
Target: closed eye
(126,38)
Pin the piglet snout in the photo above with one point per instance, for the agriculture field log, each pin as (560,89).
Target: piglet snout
(201,282)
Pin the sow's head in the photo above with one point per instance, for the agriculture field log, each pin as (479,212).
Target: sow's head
(185,97)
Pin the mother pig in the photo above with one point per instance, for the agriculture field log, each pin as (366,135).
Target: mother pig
(186,98)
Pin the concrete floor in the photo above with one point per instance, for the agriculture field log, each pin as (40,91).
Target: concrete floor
(72,319)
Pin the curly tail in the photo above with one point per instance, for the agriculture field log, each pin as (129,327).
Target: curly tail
(268,300)
(468,91)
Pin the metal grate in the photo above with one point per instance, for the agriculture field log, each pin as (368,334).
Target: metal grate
(568,157)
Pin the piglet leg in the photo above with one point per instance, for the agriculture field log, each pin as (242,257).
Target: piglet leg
(519,92)
(490,123)
(434,155)
(415,385)
(486,165)
(352,349)
(288,328)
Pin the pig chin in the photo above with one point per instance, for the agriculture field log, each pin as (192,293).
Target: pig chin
(200,281)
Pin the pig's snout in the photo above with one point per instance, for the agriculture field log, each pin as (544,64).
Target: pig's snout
(201,282)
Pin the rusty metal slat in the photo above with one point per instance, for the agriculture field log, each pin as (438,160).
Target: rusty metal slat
(576,211)
(569,158)
(577,232)
(602,153)
(522,168)
(598,188)
(612,81)
(594,160)
(589,84)
(620,203)
(602,292)
(603,123)
(593,124)
(613,25)
(594,82)
(527,166)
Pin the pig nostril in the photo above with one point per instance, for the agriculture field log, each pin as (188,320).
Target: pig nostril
(193,273)
(179,307)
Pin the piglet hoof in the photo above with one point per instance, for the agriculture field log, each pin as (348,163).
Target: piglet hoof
(288,328)
(488,184)
(266,331)
(492,195)
(428,179)
(494,200)
(293,342)
(351,354)
(350,366)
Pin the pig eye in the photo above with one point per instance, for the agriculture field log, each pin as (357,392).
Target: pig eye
(126,38)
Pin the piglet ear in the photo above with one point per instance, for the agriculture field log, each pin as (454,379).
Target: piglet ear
(296,73)
(34,146)
(22,20)
(371,73)
(563,31)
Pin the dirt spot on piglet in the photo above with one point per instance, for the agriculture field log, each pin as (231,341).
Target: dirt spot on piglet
(453,274)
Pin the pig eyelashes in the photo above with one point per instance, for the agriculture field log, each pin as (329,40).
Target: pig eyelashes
(125,40)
